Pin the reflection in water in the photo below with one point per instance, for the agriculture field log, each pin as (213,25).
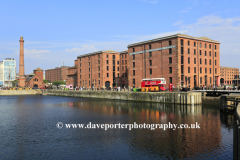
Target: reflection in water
(29,130)
(181,143)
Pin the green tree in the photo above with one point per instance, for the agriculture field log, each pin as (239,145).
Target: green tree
(45,81)
(58,82)
(14,83)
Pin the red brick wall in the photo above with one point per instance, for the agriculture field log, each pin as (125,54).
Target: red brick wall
(228,74)
(35,80)
(124,67)
(93,65)
(72,76)
(160,62)
(57,74)
(200,56)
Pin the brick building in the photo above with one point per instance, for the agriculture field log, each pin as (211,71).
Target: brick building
(183,60)
(35,79)
(98,69)
(57,74)
(228,75)
(124,68)
(72,74)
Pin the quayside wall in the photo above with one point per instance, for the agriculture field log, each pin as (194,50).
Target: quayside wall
(17,92)
(236,134)
(163,97)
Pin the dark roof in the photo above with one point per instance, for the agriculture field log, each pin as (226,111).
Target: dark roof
(174,36)
(98,52)
(74,67)
(30,76)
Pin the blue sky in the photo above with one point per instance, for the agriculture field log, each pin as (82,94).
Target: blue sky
(57,31)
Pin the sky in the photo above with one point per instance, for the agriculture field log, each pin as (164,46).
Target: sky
(55,32)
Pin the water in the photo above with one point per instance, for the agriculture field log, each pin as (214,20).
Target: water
(28,130)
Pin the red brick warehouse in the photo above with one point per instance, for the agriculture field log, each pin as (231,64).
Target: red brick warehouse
(72,75)
(124,69)
(183,60)
(98,69)
(228,75)
(57,74)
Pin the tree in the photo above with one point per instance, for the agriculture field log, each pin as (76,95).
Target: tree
(58,82)
(45,81)
(14,83)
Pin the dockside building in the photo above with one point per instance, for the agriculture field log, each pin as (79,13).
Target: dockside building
(183,60)
(98,69)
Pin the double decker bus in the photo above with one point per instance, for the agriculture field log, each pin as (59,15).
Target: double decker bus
(153,84)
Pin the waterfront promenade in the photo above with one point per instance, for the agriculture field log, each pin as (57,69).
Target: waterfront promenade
(162,97)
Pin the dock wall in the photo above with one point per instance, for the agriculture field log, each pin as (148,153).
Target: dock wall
(17,92)
(236,135)
(163,97)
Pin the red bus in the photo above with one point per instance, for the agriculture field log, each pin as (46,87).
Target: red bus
(153,84)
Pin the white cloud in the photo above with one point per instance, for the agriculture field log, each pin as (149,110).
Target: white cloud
(159,35)
(184,11)
(82,50)
(224,30)
(187,9)
(34,51)
(180,22)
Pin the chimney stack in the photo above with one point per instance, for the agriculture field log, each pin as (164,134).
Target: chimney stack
(21,79)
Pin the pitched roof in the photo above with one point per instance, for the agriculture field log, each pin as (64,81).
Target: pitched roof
(98,52)
(173,36)
(38,69)
(30,76)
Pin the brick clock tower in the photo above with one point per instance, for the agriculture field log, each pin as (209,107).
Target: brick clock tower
(21,79)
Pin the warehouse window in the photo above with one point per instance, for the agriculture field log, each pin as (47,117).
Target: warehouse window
(170,51)
(181,42)
(150,54)
(170,69)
